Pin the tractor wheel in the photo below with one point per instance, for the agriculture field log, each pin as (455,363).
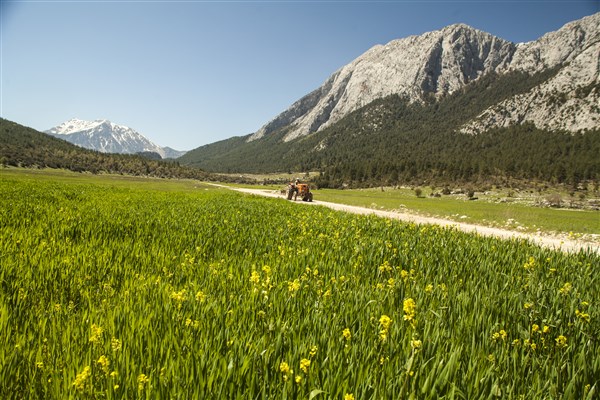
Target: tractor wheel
(309,197)
(290,193)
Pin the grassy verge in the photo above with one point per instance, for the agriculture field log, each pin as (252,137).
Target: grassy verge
(487,211)
(514,212)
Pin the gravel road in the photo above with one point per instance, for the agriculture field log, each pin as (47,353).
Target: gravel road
(557,243)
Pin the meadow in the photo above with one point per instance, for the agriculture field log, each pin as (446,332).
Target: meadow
(506,208)
(115,287)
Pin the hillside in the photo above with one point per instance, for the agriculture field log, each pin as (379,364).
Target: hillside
(453,104)
(26,147)
(392,140)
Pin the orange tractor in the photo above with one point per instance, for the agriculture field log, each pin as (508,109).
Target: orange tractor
(299,189)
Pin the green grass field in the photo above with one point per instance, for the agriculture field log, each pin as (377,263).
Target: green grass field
(118,287)
(511,215)
(494,209)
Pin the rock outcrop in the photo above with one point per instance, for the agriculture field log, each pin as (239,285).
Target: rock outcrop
(440,62)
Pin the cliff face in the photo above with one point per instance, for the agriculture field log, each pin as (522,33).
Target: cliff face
(440,62)
(569,101)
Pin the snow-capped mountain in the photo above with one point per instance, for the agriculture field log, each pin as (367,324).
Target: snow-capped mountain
(108,137)
(441,62)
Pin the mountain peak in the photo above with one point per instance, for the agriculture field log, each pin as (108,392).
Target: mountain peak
(435,64)
(458,27)
(107,137)
(76,125)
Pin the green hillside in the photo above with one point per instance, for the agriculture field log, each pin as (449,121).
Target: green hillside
(25,147)
(391,141)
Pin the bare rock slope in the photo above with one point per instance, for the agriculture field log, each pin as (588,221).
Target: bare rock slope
(440,62)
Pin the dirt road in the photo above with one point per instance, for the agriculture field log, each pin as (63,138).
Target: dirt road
(552,242)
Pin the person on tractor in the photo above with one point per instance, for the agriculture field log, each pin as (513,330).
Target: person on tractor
(293,190)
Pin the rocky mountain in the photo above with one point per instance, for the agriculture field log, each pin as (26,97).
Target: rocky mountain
(108,137)
(454,105)
(569,101)
(172,153)
(439,63)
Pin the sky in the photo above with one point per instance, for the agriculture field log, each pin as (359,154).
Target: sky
(186,73)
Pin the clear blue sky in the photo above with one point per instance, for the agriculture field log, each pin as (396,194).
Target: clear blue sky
(188,73)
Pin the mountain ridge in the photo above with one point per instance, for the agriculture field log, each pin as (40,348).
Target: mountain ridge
(107,137)
(436,63)
(491,109)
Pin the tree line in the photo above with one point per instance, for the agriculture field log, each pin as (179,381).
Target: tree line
(21,146)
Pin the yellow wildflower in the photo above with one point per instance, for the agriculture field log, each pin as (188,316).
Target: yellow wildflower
(104,363)
(142,381)
(284,368)
(294,286)
(179,297)
(96,333)
(561,341)
(501,334)
(313,351)
(429,288)
(348,396)
(346,333)
(385,267)
(409,308)
(535,328)
(255,278)
(566,288)
(305,365)
(82,378)
(385,321)
(404,275)
(115,344)
(298,379)
(545,329)
(583,316)
(530,264)
(200,296)
(383,335)
(415,344)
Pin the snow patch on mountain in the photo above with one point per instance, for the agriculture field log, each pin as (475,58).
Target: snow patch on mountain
(107,137)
